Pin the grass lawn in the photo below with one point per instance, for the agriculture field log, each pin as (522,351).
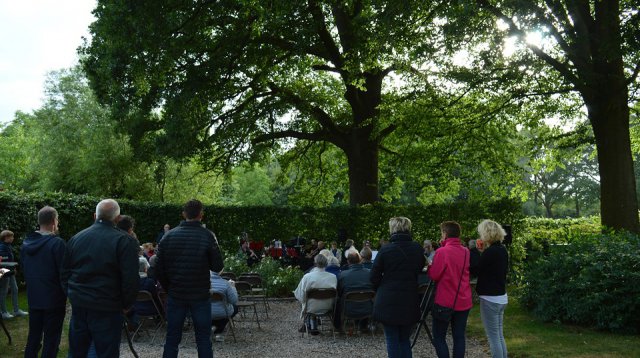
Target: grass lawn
(528,337)
(19,328)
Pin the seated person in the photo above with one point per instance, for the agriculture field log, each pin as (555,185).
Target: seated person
(356,278)
(366,254)
(219,313)
(143,264)
(145,308)
(316,278)
(347,246)
(251,257)
(333,265)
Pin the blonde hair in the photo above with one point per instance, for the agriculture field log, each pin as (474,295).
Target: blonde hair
(490,231)
(399,224)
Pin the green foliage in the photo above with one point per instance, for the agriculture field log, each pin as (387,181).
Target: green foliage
(590,281)
(534,236)
(280,281)
(18,212)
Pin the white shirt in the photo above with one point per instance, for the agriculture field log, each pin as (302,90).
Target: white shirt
(316,278)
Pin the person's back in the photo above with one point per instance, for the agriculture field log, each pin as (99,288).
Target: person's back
(186,255)
(100,276)
(41,254)
(98,265)
(356,278)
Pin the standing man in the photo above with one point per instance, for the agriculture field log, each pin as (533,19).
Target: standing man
(41,254)
(186,255)
(100,276)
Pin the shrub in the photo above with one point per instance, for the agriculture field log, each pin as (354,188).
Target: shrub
(280,281)
(592,281)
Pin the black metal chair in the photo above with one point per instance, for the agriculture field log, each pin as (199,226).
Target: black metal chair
(320,294)
(220,297)
(156,317)
(244,289)
(356,297)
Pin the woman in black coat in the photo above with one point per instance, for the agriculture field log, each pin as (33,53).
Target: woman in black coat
(395,278)
(492,281)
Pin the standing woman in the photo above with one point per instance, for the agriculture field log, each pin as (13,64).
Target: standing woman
(450,270)
(394,276)
(492,278)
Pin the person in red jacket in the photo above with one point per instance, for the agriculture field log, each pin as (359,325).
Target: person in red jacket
(450,270)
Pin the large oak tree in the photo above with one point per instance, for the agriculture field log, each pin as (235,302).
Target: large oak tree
(594,47)
(224,78)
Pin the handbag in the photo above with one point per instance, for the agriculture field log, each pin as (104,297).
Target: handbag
(442,313)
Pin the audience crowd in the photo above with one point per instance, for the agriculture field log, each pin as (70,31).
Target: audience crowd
(103,270)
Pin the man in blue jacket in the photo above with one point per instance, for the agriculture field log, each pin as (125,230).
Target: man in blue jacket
(41,254)
(100,276)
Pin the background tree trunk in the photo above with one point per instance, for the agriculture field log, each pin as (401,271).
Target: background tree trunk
(362,158)
(609,116)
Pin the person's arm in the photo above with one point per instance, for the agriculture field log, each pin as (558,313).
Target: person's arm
(377,271)
(232,294)
(161,272)
(65,268)
(216,263)
(128,264)
(58,255)
(301,291)
(437,267)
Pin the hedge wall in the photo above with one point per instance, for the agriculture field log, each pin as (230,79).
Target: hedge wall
(18,213)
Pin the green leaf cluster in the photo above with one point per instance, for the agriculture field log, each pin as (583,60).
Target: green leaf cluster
(590,281)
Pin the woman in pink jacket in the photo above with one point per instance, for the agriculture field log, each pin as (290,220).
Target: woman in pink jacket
(450,270)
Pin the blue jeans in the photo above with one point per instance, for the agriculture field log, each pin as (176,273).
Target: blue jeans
(492,315)
(47,323)
(103,328)
(398,341)
(5,284)
(458,326)
(201,315)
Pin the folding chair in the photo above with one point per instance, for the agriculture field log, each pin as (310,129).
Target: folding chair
(145,297)
(320,294)
(220,297)
(258,291)
(4,274)
(244,289)
(356,297)
(228,276)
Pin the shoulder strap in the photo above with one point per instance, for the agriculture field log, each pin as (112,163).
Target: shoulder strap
(459,282)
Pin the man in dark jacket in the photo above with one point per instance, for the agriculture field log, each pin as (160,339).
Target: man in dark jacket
(186,255)
(356,278)
(41,254)
(100,276)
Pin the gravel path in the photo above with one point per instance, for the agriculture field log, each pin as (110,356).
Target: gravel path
(279,337)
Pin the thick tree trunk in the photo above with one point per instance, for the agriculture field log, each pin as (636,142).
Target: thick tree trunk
(609,116)
(362,157)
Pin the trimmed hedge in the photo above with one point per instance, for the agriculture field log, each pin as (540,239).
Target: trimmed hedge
(18,213)
(592,281)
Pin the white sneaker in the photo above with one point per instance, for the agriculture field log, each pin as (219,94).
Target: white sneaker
(219,337)
(7,315)
(20,313)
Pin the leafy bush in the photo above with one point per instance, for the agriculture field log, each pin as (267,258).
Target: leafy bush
(592,281)
(534,236)
(279,281)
